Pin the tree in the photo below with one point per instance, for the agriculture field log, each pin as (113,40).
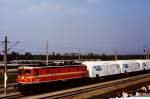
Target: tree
(28,56)
(104,57)
(13,55)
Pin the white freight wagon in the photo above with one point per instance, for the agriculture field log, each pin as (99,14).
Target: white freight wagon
(95,68)
(129,66)
(145,64)
(125,66)
(113,68)
(102,68)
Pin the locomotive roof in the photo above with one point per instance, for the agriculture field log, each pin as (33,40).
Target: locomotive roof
(39,67)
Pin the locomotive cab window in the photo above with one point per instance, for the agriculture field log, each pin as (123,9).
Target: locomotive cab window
(20,72)
(27,72)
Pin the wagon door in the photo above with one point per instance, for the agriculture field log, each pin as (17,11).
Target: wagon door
(115,69)
(136,66)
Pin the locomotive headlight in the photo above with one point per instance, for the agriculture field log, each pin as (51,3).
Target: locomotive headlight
(22,77)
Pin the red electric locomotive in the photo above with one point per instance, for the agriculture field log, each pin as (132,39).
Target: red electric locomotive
(32,75)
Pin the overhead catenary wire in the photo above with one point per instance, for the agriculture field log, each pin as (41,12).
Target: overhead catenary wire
(39,48)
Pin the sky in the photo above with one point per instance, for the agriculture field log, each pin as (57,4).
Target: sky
(68,25)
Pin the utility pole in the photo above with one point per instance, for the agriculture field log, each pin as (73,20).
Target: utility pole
(5,62)
(47,53)
(116,56)
(16,58)
(79,55)
(145,53)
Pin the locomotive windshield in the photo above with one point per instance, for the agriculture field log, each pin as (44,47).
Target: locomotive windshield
(27,72)
(24,71)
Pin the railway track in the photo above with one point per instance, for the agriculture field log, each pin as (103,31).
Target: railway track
(79,92)
(12,95)
(10,88)
(11,92)
(92,90)
(8,85)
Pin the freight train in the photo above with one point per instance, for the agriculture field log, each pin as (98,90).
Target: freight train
(40,75)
